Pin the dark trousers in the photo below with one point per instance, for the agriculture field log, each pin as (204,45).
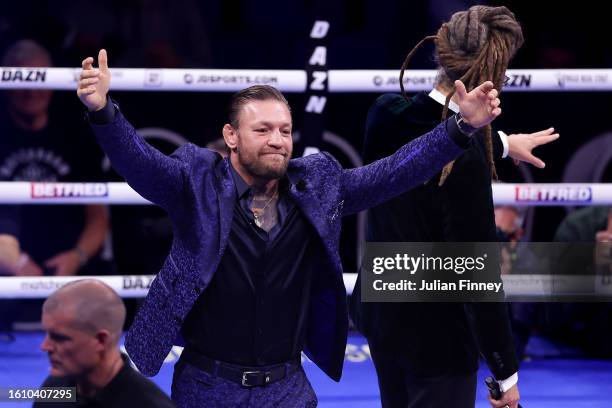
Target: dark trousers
(192,387)
(400,389)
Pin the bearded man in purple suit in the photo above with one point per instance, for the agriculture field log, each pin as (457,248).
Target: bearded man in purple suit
(254,275)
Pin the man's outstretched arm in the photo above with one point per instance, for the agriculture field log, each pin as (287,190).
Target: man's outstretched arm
(152,174)
(418,161)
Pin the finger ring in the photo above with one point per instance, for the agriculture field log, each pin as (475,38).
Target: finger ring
(506,406)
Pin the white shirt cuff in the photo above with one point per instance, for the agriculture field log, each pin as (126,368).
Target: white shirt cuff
(509,382)
(504,139)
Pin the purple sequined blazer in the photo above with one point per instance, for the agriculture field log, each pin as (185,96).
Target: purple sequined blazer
(195,187)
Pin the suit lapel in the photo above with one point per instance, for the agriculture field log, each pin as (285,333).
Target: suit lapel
(302,193)
(227,200)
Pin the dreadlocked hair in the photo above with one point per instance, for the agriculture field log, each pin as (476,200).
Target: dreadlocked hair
(474,46)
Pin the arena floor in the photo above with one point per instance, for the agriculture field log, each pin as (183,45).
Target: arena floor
(546,381)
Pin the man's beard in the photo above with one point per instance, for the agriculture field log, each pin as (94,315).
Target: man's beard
(256,167)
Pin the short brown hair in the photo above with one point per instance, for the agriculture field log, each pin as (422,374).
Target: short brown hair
(253,93)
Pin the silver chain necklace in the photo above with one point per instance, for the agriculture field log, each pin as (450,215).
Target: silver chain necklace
(258,215)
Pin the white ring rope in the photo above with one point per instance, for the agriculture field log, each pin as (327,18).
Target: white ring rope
(521,194)
(231,80)
(136,286)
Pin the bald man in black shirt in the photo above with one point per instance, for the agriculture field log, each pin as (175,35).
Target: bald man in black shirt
(83,321)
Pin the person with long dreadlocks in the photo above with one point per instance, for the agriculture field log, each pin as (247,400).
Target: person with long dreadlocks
(426,354)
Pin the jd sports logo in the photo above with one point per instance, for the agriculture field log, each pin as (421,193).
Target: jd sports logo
(153,77)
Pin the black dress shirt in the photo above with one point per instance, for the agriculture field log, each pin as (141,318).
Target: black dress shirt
(254,311)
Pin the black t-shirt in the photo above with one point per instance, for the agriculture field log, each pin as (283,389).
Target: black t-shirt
(128,389)
(61,152)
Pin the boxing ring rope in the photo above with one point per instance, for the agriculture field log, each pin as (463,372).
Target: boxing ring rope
(531,286)
(231,80)
(519,194)
(338,81)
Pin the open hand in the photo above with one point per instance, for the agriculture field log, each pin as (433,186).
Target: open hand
(94,83)
(521,145)
(479,106)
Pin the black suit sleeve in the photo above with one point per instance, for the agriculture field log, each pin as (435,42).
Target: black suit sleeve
(491,326)
(468,217)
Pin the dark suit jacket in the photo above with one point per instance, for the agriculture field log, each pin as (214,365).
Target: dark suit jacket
(195,187)
(434,338)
